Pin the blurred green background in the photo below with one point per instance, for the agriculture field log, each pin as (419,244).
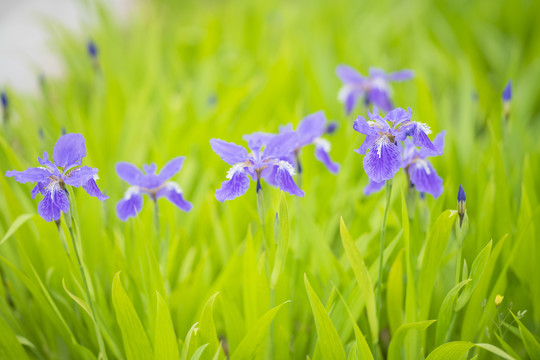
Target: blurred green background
(179,73)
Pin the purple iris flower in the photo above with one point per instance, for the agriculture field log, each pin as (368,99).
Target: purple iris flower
(310,131)
(420,172)
(383,160)
(150,183)
(267,160)
(375,89)
(52,179)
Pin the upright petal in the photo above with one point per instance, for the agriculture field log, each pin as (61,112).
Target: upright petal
(281,145)
(229,152)
(236,186)
(150,169)
(69,150)
(373,187)
(80,176)
(29,175)
(402,75)
(130,205)
(380,97)
(382,161)
(49,165)
(350,100)
(322,149)
(171,168)
(364,127)
(349,75)
(174,194)
(425,178)
(258,139)
(92,189)
(311,127)
(53,203)
(129,173)
(398,116)
(283,179)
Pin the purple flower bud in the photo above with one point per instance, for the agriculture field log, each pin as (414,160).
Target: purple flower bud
(507,92)
(5,100)
(92,49)
(461,200)
(331,127)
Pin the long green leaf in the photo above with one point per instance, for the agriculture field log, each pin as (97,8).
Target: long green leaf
(476,273)
(15,225)
(165,342)
(396,344)
(531,344)
(446,312)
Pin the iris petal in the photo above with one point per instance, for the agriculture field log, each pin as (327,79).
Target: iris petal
(69,150)
(382,161)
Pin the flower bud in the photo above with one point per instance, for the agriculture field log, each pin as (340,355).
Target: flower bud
(498,300)
(461,205)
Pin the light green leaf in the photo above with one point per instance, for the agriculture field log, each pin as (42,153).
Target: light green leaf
(330,345)
(187,342)
(10,347)
(476,273)
(396,344)
(495,350)
(198,353)
(15,225)
(283,243)
(394,294)
(450,351)
(362,276)
(207,329)
(446,312)
(136,343)
(256,336)
(531,344)
(165,342)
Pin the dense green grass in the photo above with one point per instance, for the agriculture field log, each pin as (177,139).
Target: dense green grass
(180,73)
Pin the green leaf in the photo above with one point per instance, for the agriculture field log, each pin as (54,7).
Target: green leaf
(362,277)
(531,344)
(283,243)
(207,329)
(10,347)
(476,273)
(394,294)
(256,336)
(15,225)
(78,300)
(187,341)
(198,353)
(446,312)
(495,350)
(330,345)
(165,342)
(451,351)
(396,344)
(136,343)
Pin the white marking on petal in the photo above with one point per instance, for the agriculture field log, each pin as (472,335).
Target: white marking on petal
(285,165)
(344,92)
(379,82)
(424,127)
(323,144)
(239,167)
(171,185)
(133,190)
(423,164)
(381,140)
(95,177)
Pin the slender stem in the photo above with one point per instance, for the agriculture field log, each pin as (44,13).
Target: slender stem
(260,208)
(458,263)
(381,253)
(99,337)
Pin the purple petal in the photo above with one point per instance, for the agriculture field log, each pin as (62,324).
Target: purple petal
(39,189)
(174,194)
(373,187)
(129,173)
(425,178)
(382,161)
(402,75)
(49,165)
(311,127)
(29,175)
(53,203)
(171,168)
(229,152)
(349,75)
(438,143)
(92,189)
(363,127)
(236,186)
(380,97)
(398,116)
(69,151)
(80,176)
(368,141)
(404,129)
(375,72)
(351,99)
(322,148)
(150,169)
(281,145)
(130,205)
(283,179)
(257,140)
(282,129)
(420,137)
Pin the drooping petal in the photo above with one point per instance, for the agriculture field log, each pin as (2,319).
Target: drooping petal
(380,97)
(382,161)
(311,127)
(322,149)
(350,100)
(174,194)
(92,189)
(425,178)
(53,203)
(129,173)
(404,130)
(150,169)
(229,152)
(379,121)
(69,150)
(29,175)
(401,75)
(368,142)
(236,186)
(398,116)
(283,179)
(420,137)
(130,204)
(349,75)
(438,143)
(373,187)
(80,176)
(171,168)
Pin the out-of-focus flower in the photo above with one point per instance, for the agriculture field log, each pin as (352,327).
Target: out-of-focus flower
(92,49)
(265,161)
(5,105)
(374,89)
(52,179)
(383,160)
(498,300)
(461,204)
(507,97)
(150,183)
